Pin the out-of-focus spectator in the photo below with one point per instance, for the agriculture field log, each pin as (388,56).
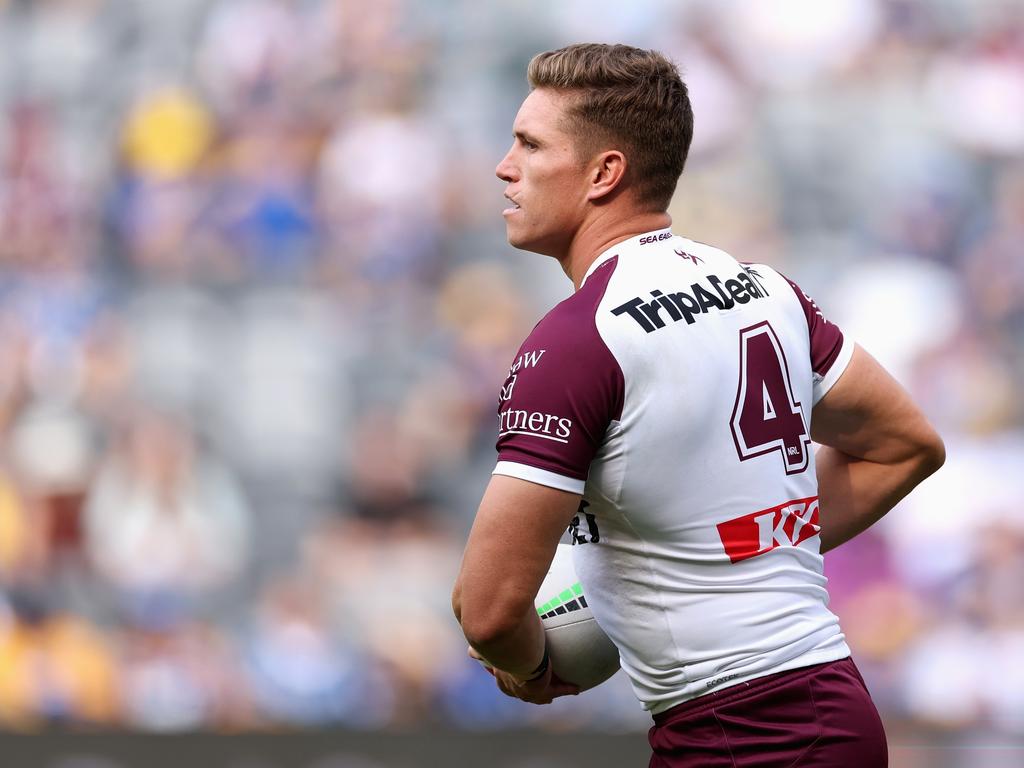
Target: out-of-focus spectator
(986,82)
(299,674)
(34,205)
(934,535)
(155,203)
(961,368)
(166,135)
(484,323)
(384,217)
(179,675)
(923,308)
(247,48)
(54,667)
(53,453)
(262,210)
(994,270)
(23,543)
(383,583)
(164,517)
(962,673)
(790,44)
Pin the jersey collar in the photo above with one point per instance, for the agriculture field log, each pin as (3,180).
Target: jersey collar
(622,247)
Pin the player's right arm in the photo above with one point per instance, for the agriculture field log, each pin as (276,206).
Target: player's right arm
(876,447)
(509,550)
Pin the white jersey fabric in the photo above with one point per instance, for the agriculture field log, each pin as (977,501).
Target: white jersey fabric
(674,391)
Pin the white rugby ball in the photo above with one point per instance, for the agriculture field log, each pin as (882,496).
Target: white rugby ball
(581,653)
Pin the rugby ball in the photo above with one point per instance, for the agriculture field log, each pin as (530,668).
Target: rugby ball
(581,653)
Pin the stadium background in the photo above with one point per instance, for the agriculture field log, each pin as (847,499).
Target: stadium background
(257,304)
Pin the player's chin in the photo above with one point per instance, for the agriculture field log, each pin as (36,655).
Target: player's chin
(516,239)
(520,239)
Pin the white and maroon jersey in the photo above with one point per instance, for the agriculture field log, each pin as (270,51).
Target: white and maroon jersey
(674,391)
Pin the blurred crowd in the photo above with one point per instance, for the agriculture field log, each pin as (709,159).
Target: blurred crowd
(256,305)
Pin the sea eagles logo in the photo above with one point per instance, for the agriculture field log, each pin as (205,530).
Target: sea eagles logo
(690,257)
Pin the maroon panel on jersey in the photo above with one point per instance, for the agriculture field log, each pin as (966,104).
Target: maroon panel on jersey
(820,715)
(563,389)
(826,338)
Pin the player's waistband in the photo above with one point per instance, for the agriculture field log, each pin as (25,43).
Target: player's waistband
(733,692)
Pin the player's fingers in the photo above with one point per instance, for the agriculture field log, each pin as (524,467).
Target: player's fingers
(504,687)
(545,696)
(562,689)
(473,654)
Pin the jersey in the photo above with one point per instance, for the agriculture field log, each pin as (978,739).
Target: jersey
(674,391)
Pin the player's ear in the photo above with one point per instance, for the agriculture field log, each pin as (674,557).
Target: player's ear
(607,172)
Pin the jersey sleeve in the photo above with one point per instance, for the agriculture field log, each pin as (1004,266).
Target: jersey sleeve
(562,392)
(831,350)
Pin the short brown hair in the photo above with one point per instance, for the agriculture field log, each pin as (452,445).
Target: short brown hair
(630,97)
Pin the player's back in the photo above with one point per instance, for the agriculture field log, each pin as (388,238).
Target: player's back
(699,514)
(704,492)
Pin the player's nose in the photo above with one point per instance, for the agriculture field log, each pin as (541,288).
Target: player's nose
(505,170)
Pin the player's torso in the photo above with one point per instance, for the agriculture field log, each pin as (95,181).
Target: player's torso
(717,392)
(703,495)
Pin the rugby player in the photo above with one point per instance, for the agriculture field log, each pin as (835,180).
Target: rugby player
(666,411)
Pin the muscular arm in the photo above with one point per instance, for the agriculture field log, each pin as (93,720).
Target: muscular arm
(877,446)
(508,553)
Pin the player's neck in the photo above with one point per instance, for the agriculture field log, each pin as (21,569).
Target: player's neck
(601,233)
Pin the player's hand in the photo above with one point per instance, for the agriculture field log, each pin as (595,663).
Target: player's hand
(543,690)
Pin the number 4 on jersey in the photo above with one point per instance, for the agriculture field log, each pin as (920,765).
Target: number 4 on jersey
(766,417)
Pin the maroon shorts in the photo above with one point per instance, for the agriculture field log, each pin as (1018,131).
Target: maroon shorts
(813,716)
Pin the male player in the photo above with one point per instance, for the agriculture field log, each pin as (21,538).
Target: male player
(667,410)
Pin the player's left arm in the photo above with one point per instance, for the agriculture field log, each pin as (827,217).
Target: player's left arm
(877,446)
(507,556)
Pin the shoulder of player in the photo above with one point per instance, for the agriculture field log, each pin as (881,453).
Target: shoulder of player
(566,353)
(766,277)
(769,277)
(787,286)
(577,312)
(703,250)
(826,339)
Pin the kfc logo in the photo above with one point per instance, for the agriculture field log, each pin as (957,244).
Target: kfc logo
(786,525)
